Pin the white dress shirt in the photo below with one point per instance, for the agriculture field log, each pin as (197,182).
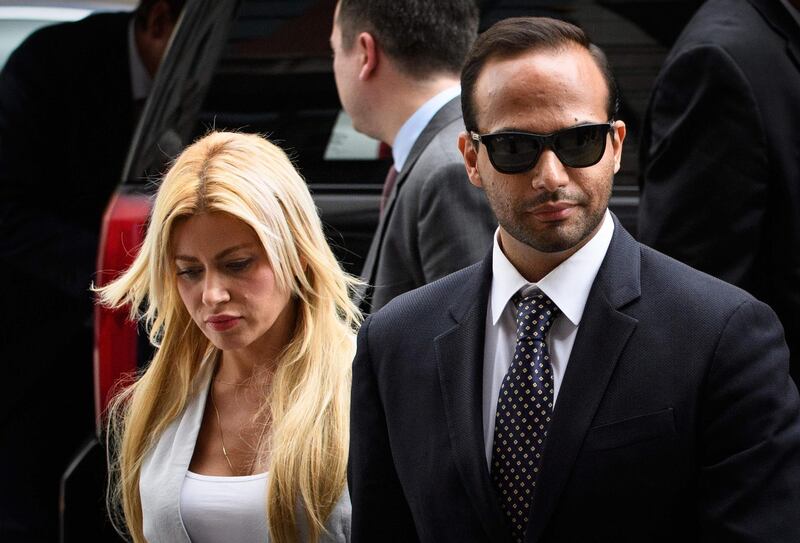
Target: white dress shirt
(567,285)
(407,135)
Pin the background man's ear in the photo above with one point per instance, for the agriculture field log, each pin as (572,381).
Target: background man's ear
(369,51)
(152,36)
(159,24)
(470,154)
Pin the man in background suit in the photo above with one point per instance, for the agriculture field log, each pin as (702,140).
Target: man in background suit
(396,64)
(720,153)
(574,385)
(69,99)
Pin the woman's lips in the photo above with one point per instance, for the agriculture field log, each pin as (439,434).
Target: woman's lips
(220,323)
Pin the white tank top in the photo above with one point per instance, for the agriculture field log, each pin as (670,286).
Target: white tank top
(229,509)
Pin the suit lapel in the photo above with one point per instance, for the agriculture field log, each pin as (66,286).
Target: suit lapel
(604,330)
(794,51)
(782,21)
(459,354)
(450,112)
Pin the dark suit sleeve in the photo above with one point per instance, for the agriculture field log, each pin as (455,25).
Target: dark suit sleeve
(704,166)
(33,239)
(455,223)
(380,510)
(749,480)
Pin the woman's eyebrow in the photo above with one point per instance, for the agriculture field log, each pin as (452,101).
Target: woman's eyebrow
(229,250)
(186,258)
(221,254)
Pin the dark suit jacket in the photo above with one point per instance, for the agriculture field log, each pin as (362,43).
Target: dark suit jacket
(435,222)
(676,419)
(65,124)
(721,154)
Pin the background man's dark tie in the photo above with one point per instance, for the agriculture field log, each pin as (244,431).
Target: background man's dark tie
(388,185)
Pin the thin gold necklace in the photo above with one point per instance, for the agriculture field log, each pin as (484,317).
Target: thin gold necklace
(221,436)
(222,439)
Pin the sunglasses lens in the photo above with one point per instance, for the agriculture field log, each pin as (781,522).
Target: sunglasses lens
(513,153)
(581,146)
(516,152)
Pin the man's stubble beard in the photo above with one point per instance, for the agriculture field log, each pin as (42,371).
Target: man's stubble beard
(560,237)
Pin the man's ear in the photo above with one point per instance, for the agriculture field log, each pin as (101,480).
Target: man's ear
(470,154)
(368,50)
(618,136)
(159,24)
(152,36)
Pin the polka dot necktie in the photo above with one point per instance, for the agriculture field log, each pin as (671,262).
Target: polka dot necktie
(524,410)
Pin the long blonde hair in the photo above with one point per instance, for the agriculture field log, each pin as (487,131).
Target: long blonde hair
(251,179)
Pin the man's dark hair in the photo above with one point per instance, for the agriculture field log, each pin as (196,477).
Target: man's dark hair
(144,7)
(517,35)
(423,36)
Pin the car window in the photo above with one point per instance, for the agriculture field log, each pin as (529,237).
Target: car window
(270,82)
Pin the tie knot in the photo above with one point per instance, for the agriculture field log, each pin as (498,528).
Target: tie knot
(535,315)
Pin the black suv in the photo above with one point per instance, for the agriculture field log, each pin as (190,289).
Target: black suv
(265,66)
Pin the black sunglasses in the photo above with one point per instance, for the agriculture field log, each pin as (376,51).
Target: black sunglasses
(515,152)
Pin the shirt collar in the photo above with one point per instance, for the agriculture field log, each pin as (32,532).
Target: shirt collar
(414,125)
(567,285)
(141,82)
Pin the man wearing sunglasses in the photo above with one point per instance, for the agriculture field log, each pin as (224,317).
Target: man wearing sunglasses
(574,385)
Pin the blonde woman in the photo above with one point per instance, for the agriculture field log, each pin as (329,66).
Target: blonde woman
(237,431)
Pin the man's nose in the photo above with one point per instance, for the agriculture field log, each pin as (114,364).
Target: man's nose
(215,291)
(549,173)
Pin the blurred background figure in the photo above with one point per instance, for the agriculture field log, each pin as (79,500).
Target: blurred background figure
(238,429)
(720,153)
(397,66)
(69,99)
